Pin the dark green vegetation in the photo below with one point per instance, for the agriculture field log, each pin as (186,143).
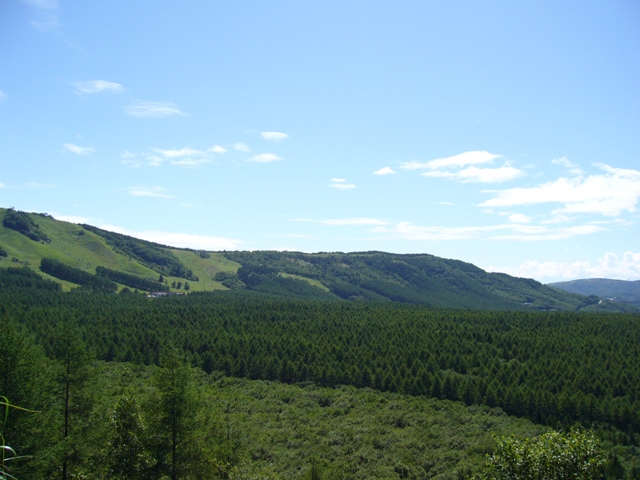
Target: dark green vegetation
(75,275)
(22,223)
(355,277)
(619,290)
(554,368)
(155,256)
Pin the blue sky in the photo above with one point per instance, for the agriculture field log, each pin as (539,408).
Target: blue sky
(502,133)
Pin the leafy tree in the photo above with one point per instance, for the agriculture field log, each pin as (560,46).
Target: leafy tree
(174,411)
(552,456)
(127,453)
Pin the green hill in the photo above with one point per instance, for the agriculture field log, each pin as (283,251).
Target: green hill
(618,290)
(28,238)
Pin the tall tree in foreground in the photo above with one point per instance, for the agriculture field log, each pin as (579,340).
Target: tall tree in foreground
(174,410)
(73,360)
(26,383)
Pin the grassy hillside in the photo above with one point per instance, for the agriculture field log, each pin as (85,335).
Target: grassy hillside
(618,290)
(364,276)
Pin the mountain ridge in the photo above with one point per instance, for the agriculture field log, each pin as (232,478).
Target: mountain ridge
(357,276)
(627,291)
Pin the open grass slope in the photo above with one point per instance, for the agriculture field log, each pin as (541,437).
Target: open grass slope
(378,276)
(619,290)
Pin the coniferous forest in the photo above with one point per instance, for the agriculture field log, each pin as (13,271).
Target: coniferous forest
(233,385)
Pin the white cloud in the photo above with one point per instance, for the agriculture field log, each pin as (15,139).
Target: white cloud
(46,14)
(564,162)
(384,171)
(97,86)
(180,240)
(72,218)
(3,185)
(155,157)
(190,162)
(479,175)
(610,194)
(519,218)
(265,158)
(609,266)
(341,184)
(241,147)
(78,150)
(274,136)
(38,185)
(516,231)
(178,153)
(157,192)
(218,149)
(461,160)
(153,110)
(346,221)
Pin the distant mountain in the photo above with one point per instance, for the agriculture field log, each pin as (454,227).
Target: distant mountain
(78,254)
(618,290)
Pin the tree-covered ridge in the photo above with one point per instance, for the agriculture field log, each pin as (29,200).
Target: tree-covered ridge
(75,275)
(22,223)
(155,256)
(18,278)
(620,290)
(362,276)
(132,281)
(410,278)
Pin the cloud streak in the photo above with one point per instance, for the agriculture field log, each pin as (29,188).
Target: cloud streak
(97,86)
(341,184)
(78,150)
(180,240)
(610,265)
(155,192)
(145,109)
(610,193)
(274,136)
(265,158)
(384,171)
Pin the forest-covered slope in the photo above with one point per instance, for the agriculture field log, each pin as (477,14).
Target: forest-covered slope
(618,290)
(28,238)
(557,369)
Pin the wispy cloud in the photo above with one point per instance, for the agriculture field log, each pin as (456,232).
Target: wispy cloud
(241,147)
(97,86)
(78,150)
(178,153)
(514,231)
(564,162)
(180,240)
(2,95)
(46,14)
(610,193)
(157,192)
(274,136)
(72,218)
(384,171)
(610,265)
(462,168)
(145,109)
(519,218)
(479,175)
(3,185)
(360,221)
(265,158)
(217,149)
(155,157)
(341,184)
(461,160)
